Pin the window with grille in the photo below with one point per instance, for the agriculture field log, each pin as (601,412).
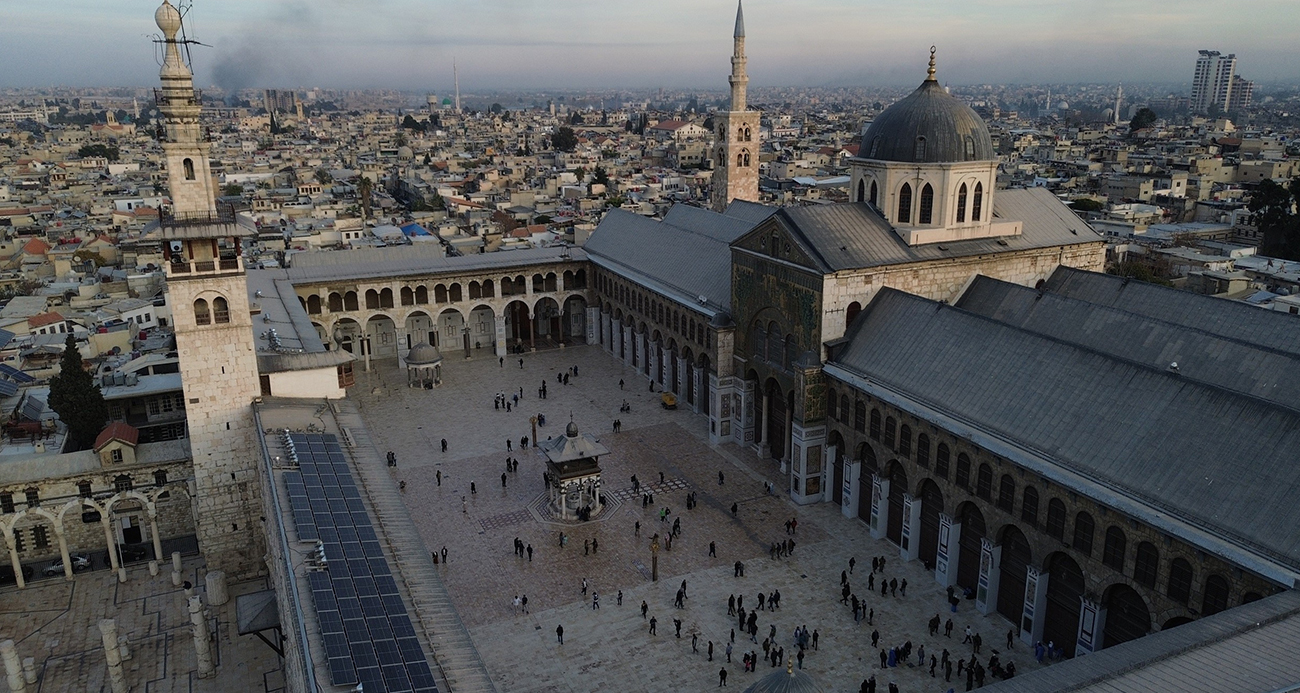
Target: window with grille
(890,425)
(923,450)
(905,440)
(1083,530)
(41,537)
(1145,565)
(1112,552)
(963,470)
(1007,493)
(1056,519)
(1029,506)
(941,462)
(1179,588)
(984,482)
(122,483)
(875,424)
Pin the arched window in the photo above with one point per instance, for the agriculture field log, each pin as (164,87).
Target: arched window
(905,204)
(188,165)
(1145,565)
(832,405)
(875,146)
(1179,588)
(873,193)
(923,450)
(1056,519)
(775,340)
(962,476)
(1007,493)
(850,313)
(926,214)
(313,304)
(918,154)
(984,482)
(1029,506)
(977,203)
(201,314)
(1112,552)
(845,411)
(220,311)
(862,191)
(372,299)
(122,483)
(859,416)
(489,292)
(336,302)
(875,424)
(454,294)
(350,300)
(1215,598)
(890,425)
(1083,529)
(941,462)
(905,440)
(386,298)
(961,203)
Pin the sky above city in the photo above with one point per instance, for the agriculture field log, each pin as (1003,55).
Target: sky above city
(557,44)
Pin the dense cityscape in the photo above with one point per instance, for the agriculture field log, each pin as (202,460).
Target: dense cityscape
(1032,347)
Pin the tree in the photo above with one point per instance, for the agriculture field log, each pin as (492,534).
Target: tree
(1274,207)
(92,150)
(409,123)
(76,398)
(232,190)
(497,108)
(564,139)
(600,176)
(364,188)
(1144,118)
(1086,204)
(576,118)
(323,177)
(581,173)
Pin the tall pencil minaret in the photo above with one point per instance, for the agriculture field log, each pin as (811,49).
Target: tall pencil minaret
(1119,99)
(455,74)
(735,157)
(208,295)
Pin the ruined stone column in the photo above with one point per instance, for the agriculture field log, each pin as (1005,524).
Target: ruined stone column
(13,668)
(216,582)
(116,676)
(29,669)
(202,646)
(176,569)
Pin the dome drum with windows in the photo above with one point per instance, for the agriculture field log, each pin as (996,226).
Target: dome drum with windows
(927,166)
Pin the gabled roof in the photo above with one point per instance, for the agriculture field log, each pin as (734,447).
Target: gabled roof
(1267,328)
(1158,342)
(854,236)
(36,246)
(118,431)
(44,319)
(1165,449)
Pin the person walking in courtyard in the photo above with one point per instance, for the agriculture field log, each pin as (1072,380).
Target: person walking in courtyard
(439,476)
(677,623)
(620,598)
(721,478)
(584,587)
(473,490)
(530,553)
(733,637)
(444,555)
(644,607)
(559,634)
(503,479)
(653,623)
(444,445)
(713,550)
(595,600)
(524,600)
(722,677)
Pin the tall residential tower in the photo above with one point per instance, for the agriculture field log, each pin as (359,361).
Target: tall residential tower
(735,173)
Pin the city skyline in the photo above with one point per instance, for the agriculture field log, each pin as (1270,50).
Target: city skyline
(676,44)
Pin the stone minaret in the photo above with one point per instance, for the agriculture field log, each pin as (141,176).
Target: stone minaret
(735,157)
(208,295)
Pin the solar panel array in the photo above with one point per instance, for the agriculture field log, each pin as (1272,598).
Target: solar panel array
(8,389)
(367,633)
(16,375)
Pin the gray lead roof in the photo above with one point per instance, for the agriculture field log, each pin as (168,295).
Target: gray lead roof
(1216,460)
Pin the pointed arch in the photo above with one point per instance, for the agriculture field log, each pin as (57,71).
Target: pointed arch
(905,204)
(188,165)
(874,192)
(977,202)
(926,213)
(862,191)
(961,204)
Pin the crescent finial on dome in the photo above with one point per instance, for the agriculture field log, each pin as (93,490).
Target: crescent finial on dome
(930,72)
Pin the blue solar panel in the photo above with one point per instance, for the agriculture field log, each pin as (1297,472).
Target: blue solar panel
(15,375)
(368,635)
(8,389)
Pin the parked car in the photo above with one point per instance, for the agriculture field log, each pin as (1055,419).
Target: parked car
(130,553)
(80,562)
(7,574)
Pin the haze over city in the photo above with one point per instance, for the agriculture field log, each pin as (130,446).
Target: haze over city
(504,44)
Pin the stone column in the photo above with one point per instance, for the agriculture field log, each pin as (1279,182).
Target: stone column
(153,532)
(1035,610)
(628,349)
(500,327)
(695,384)
(108,539)
(909,547)
(1092,624)
(788,432)
(29,670)
(616,338)
(744,413)
(652,357)
(765,447)
(13,667)
(216,584)
(679,387)
(945,556)
(63,550)
(116,676)
(852,480)
(986,590)
(879,506)
(639,357)
(593,324)
(176,569)
(202,645)
(720,391)
(13,558)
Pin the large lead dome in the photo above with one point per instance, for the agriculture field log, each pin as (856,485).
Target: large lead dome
(929,126)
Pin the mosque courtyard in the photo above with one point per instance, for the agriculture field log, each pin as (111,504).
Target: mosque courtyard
(610,648)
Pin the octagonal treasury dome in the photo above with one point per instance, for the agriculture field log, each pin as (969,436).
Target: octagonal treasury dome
(928,126)
(423,354)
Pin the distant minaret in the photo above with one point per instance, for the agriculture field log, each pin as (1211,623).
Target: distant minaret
(455,74)
(735,158)
(1119,98)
